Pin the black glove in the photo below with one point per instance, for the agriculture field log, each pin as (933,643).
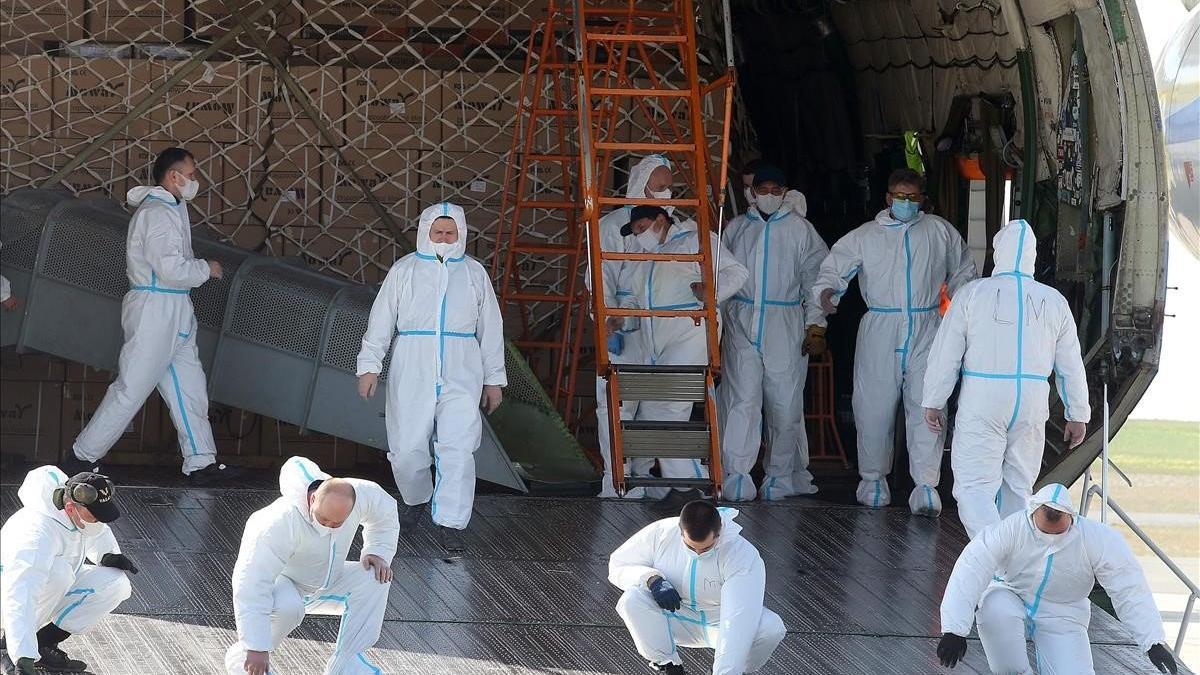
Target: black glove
(665,594)
(118,561)
(951,649)
(1162,659)
(25,666)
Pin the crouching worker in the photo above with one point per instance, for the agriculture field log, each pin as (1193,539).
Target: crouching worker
(293,562)
(693,581)
(62,569)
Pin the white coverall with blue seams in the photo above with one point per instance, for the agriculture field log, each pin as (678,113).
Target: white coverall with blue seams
(721,590)
(286,568)
(611,241)
(900,268)
(442,321)
(160,334)
(677,341)
(1006,334)
(763,364)
(43,574)
(1016,583)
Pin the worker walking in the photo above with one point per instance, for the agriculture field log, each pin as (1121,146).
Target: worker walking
(694,581)
(160,326)
(292,562)
(1029,576)
(48,588)
(1005,334)
(672,286)
(650,178)
(901,259)
(770,315)
(437,312)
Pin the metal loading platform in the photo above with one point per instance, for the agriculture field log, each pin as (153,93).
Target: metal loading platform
(857,589)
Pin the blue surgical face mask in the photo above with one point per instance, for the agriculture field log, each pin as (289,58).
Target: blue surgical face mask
(904,210)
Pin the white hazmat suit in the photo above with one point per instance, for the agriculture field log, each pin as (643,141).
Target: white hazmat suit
(612,241)
(721,591)
(1017,582)
(160,334)
(763,366)
(443,322)
(676,341)
(286,568)
(901,268)
(1006,334)
(43,574)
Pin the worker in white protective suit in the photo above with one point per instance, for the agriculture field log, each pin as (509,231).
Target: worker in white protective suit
(1029,577)
(160,326)
(673,341)
(293,562)
(771,328)
(1005,334)
(48,588)
(901,258)
(438,310)
(694,581)
(650,178)
(793,200)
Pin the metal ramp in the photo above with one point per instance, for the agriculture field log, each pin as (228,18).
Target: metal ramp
(275,338)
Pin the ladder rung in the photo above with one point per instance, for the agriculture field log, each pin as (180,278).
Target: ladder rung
(617,91)
(646,147)
(625,12)
(652,481)
(636,37)
(537,157)
(537,344)
(652,257)
(543,297)
(545,204)
(623,201)
(554,112)
(545,249)
(623,368)
(662,385)
(678,440)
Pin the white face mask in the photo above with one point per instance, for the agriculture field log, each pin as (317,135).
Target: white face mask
(442,249)
(321,529)
(662,194)
(191,187)
(768,203)
(750,196)
(91,529)
(648,240)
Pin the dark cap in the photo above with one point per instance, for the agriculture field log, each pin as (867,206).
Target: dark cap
(96,493)
(769,173)
(640,212)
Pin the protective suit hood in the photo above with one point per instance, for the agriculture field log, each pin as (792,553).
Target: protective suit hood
(137,195)
(1015,248)
(294,478)
(730,530)
(639,175)
(1054,495)
(37,493)
(443,210)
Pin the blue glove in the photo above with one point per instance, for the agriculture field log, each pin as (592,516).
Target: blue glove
(616,343)
(665,594)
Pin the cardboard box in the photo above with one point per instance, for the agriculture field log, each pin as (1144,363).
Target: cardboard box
(231,196)
(91,95)
(390,175)
(211,18)
(282,440)
(357,21)
(209,105)
(462,178)
(31,419)
(40,20)
(210,167)
(291,193)
(26,89)
(31,366)
(144,433)
(236,432)
(390,109)
(271,106)
(360,254)
(135,20)
(105,174)
(479,111)
(25,162)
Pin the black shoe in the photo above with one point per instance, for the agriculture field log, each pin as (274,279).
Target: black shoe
(675,499)
(55,660)
(668,668)
(72,465)
(452,540)
(411,516)
(215,474)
